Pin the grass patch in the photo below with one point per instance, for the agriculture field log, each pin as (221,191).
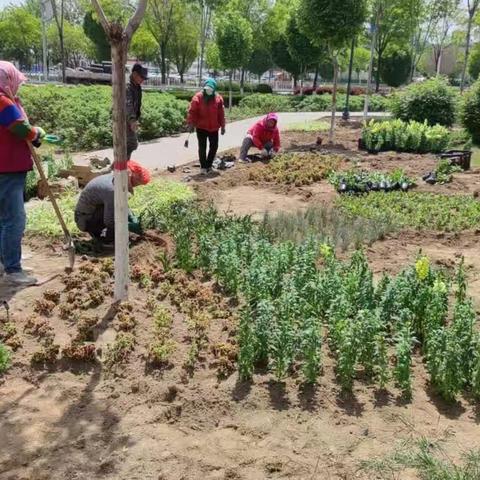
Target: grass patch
(296,169)
(416,210)
(313,126)
(328,225)
(428,460)
(150,201)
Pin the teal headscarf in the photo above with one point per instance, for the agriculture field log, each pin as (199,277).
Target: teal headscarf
(212,84)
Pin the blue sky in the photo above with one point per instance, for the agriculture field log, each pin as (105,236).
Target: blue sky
(4,3)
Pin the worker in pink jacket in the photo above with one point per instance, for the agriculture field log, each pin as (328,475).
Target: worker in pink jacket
(265,136)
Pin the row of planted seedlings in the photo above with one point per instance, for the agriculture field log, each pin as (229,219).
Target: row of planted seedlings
(295,298)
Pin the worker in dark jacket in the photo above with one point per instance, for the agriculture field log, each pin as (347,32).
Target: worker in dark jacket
(134,106)
(95,210)
(15,162)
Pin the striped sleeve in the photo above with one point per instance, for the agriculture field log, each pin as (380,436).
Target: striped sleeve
(11,117)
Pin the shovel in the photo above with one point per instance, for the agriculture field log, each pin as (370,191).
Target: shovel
(69,245)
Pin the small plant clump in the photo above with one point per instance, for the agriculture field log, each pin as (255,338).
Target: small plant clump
(226,355)
(38,327)
(52,296)
(85,328)
(44,307)
(296,169)
(48,353)
(163,346)
(118,352)
(78,352)
(5,358)
(363,182)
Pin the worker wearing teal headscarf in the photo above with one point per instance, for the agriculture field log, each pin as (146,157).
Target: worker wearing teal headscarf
(207,115)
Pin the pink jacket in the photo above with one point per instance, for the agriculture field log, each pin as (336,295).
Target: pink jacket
(261,134)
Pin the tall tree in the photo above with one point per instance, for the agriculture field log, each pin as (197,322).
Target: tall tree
(96,34)
(144,46)
(184,49)
(76,44)
(392,24)
(120,38)
(336,24)
(260,61)
(301,47)
(283,59)
(472,8)
(20,37)
(234,38)
(58,8)
(442,31)
(161,19)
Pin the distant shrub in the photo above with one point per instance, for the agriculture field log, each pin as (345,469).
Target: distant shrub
(470,112)
(263,88)
(432,101)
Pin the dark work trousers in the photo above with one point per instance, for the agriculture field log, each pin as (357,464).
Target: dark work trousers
(94,225)
(132,142)
(203,135)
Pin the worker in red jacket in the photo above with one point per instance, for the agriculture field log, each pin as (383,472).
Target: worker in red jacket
(265,136)
(207,115)
(15,162)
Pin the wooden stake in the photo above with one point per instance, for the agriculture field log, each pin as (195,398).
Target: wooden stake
(119,39)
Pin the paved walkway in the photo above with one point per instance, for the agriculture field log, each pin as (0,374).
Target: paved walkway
(160,153)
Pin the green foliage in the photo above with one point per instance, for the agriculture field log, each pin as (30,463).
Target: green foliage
(444,171)
(234,38)
(5,358)
(96,34)
(291,293)
(333,22)
(260,61)
(416,210)
(405,137)
(265,103)
(470,112)
(474,62)
(432,101)
(20,35)
(82,115)
(395,67)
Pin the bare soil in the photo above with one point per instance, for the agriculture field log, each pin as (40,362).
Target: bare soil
(75,419)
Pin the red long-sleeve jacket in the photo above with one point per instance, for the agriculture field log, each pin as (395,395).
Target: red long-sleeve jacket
(205,114)
(262,134)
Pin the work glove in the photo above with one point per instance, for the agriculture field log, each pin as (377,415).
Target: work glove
(223,131)
(134,224)
(37,143)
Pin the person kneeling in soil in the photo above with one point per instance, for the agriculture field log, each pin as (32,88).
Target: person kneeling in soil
(265,136)
(207,115)
(95,210)
(15,162)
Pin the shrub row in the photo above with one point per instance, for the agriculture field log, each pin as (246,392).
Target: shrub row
(82,115)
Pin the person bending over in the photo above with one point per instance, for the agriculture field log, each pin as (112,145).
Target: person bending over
(265,136)
(95,210)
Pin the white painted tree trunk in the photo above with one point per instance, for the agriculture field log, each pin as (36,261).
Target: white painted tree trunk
(370,72)
(331,136)
(119,57)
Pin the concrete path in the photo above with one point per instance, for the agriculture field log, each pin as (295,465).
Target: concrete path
(160,153)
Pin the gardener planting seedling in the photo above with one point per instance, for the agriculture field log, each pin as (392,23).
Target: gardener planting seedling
(207,115)
(134,106)
(265,136)
(94,212)
(15,162)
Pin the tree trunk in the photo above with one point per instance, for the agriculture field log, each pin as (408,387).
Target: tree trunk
(181,77)
(467,50)
(230,96)
(295,81)
(206,17)
(163,64)
(370,72)
(377,76)
(119,59)
(331,136)
(438,68)
(315,79)
(242,82)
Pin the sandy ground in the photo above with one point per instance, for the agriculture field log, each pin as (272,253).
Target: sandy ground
(72,420)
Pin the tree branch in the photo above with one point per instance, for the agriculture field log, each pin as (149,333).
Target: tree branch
(135,21)
(101,15)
